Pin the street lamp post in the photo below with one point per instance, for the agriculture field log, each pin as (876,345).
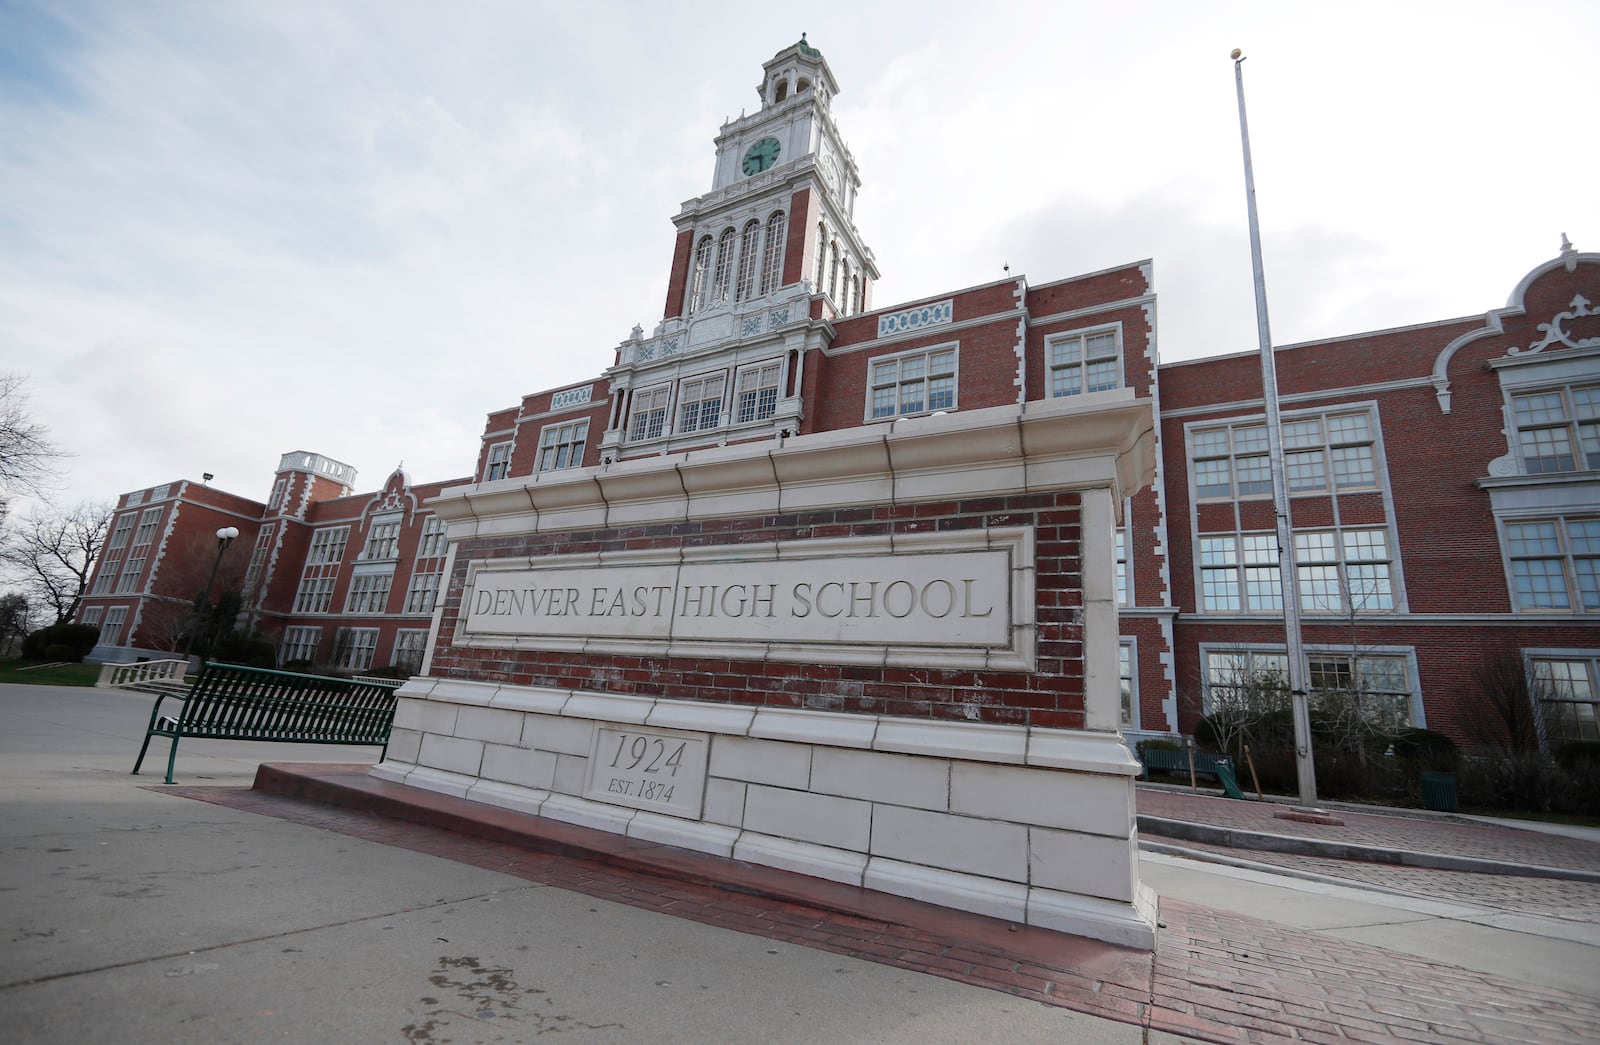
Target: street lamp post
(225,536)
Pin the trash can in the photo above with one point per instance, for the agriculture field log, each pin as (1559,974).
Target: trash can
(1439,792)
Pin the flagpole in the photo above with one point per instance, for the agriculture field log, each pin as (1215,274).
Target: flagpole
(1304,767)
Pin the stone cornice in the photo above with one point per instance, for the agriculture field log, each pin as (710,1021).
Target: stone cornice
(1101,441)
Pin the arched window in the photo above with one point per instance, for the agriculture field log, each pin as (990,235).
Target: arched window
(772,263)
(749,256)
(856,283)
(699,274)
(782,92)
(724,274)
(844,285)
(833,272)
(822,255)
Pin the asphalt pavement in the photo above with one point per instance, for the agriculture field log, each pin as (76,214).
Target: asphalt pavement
(135,912)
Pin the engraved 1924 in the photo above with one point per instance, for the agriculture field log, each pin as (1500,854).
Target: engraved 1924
(649,769)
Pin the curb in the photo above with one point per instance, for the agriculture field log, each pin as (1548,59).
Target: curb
(1295,845)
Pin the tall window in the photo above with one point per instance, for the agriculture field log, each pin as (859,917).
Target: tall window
(822,254)
(354,647)
(327,545)
(649,413)
(700,402)
(561,446)
(1085,362)
(499,462)
(1339,571)
(772,261)
(1558,430)
(120,535)
(299,644)
(1331,452)
(757,393)
(1555,563)
(1568,691)
(1378,684)
(314,595)
(422,593)
(409,647)
(1122,566)
(258,556)
(279,488)
(383,538)
(111,630)
(149,522)
(369,593)
(749,260)
(91,615)
(699,278)
(431,544)
(724,272)
(913,383)
(833,271)
(1129,686)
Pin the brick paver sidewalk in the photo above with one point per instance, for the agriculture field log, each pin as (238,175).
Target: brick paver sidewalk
(1455,836)
(1215,975)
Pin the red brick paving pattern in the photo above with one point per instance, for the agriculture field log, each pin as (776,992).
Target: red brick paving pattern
(1215,975)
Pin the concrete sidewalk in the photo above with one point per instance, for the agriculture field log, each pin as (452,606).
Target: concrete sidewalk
(134,913)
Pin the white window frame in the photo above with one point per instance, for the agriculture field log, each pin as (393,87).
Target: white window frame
(1278,661)
(423,592)
(111,630)
(258,555)
(773,250)
(1128,682)
(383,539)
(562,445)
(1082,353)
(1569,551)
(314,595)
(356,648)
(647,413)
(369,592)
(279,488)
(878,381)
(299,639)
(434,540)
(722,273)
(700,273)
(1238,573)
(694,394)
(757,387)
(409,641)
(1577,425)
(123,531)
(498,464)
(1318,449)
(1581,683)
(91,615)
(328,546)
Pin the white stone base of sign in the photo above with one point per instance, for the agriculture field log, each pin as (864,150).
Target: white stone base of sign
(1035,826)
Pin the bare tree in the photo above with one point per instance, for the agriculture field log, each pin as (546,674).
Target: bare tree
(27,455)
(53,552)
(16,618)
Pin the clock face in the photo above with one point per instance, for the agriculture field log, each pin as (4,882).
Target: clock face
(762,154)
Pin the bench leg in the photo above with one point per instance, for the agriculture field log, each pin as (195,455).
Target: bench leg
(171,758)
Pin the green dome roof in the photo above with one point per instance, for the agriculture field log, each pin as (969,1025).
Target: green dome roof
(805,48)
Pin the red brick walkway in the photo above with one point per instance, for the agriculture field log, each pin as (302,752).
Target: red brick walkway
(1215,976)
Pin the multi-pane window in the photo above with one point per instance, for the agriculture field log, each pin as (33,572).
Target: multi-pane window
(1122,566)
(1377,684)
(756,397)
(649,417)
(1558,430)
(103,581)
(1084,362)
(383,539)
(258,556)
(315,595)
(91,615)
(1339,571)
(723,277)
(1555,563)
(431,544)
(561,446)
(822,254)
(1568,691)
(749,260)
(129,581)
(279,488)
(499,465)
(369,593)
(833,271)
(1332,452)
(913,383)
(327,545)
(1130,718)
(700,402)
(422,593)
(299,644)
(409,646)
(772,261)
(354,647)
(701,275)
(111,630)
(149,522)
(120,535)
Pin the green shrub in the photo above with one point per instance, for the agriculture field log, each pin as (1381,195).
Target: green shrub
(69,642)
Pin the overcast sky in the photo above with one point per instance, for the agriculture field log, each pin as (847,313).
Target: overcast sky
(232,230)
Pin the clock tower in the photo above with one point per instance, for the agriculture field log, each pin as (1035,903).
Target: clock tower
(764,264)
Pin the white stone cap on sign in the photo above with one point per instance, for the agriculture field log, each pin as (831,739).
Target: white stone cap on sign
(1078,750)
(1101,440)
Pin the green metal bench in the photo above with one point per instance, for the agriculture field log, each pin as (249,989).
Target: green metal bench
(1205,764)
(229,702)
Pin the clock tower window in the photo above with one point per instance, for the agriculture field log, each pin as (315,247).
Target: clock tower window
(772,262)
(724,273)
(749,256)
(702,273)
(822,254)
(833,272)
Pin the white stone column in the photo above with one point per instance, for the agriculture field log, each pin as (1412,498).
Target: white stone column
(1102,677)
